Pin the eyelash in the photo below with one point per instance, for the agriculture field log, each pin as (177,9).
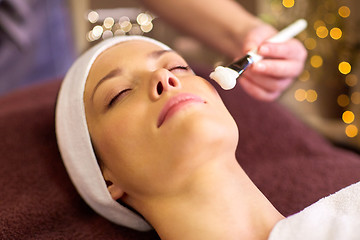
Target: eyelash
(179,67)
(186,68)
(117,96)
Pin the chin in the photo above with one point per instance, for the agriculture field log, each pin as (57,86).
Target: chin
(212,133)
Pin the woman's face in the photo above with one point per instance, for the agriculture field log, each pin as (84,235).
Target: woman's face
(152,121)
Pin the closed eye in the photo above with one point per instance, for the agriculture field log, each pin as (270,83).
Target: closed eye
(118,96)
(186,68)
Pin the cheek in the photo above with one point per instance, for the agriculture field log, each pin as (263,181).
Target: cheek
(123,141)
(116,136)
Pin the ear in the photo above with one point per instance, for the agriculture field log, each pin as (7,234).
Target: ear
(115,191)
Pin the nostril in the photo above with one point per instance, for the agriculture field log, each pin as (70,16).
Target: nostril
(159,88)
(172,82)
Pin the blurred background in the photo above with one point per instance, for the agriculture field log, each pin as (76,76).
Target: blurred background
(40,39)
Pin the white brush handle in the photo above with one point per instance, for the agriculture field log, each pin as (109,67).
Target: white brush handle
(289,32)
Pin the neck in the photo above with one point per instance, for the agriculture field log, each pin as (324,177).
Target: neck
(214,205)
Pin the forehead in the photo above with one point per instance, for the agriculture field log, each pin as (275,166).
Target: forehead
(124,54)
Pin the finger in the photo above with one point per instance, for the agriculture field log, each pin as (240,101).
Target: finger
(269,84)
(258,92)
(278,68)
(257,36)
(292,49)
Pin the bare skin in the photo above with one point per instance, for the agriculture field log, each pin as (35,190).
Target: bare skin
(177,169)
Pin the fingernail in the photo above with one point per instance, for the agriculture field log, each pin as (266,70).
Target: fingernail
(260,66)
(264,50)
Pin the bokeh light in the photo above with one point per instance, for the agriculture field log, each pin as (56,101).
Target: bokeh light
(343,100)
(97,31)
(89,36)
(322,32)
(107,34)
(109,22)
(310,43)
(351,131)
(351,80)
(348,117)
(119,32)
(344,67)
(143,19)
(355,97)
(124,19)
(147,28)
(318,23)
(344,11)
(125,26)
(135,30)
(288,3)
(335,33)
(316,61)
(93,16)
(311,95)
(300,95)
(305,76)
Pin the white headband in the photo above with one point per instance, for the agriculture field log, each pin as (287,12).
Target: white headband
(75,144)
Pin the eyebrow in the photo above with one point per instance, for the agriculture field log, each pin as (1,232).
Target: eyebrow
(118,71)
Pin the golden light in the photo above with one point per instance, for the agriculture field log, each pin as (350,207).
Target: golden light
(318,23)
(343,100)
(147,28)
(143,19)
(125,26)
(97,31)
(288,3)
(316,61)
(311,95)
(351,80)
(355,97)
(344,11)
(351,131)
(344,67)
(93,17)
(305,76)
(336,33)
(348,117)
(119,32)
(300,95)
(90,37)
(109,22)
(310,43)
(124,19)
(322,32)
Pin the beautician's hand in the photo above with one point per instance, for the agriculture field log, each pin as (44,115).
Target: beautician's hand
(268,78)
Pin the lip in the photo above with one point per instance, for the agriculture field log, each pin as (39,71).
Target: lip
(175,104)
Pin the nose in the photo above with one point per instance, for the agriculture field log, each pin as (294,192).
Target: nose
(163,80)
